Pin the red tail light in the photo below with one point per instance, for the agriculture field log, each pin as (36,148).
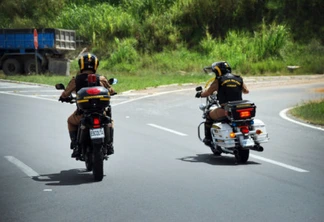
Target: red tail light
(92,78)
(245,130)
(96,122)
(93,91)
(245,113)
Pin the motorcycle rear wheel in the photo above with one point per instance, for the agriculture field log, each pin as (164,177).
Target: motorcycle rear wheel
(243,155)
(88,161)
(97,163)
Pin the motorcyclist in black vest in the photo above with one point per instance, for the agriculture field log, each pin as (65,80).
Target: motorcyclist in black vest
(229,87)
(88,64)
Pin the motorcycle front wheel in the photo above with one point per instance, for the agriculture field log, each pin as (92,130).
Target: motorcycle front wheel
(216,151)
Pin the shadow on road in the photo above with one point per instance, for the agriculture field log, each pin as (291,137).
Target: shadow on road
(213,160)
(66,177)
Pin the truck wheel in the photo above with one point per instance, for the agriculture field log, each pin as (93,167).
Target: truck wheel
(30,66)
(11,67)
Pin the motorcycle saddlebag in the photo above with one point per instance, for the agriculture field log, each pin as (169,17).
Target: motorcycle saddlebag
(240,110)
(93,98)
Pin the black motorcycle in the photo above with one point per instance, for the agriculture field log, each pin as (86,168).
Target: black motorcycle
(94,131)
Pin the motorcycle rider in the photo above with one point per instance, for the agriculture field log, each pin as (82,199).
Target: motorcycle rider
(88,64)
(229,87)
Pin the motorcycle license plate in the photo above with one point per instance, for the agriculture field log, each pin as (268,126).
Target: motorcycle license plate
(247,142)
(97,133)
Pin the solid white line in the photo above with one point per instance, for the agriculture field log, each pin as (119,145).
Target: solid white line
(113,105)
(279,164)
(166,129)
(31,91)
(26,169)
(17,87)
(284,116)
(30,96)
(148,96)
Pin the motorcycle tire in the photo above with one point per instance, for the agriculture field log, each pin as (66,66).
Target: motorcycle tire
(243,155)
(97,163)
(88,161)
(215,151)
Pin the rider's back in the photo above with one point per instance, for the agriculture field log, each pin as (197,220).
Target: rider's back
(230,88)
(81,81)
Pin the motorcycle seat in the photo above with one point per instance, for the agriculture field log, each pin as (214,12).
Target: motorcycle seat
(221,119)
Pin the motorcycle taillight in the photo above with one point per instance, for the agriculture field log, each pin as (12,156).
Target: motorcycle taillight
(245,129)
(245,113)
(93,91)
(96,122)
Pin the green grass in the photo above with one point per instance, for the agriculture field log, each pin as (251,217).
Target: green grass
(311,111)
(126,81)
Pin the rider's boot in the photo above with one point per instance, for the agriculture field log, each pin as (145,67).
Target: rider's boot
(207,140)
(73,145)
(109,137)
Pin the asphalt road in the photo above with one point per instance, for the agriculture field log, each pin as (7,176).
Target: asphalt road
(160,170)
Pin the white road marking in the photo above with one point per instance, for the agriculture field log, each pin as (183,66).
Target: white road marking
(148,96)
(251,155)
(47,190)
(166,129)
(17,86)
(26,169)
(113,105)
(279,164)
(284,116)
(31,91)
(30,96)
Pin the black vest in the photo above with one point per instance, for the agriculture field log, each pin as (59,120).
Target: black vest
(81,81)
(229,88)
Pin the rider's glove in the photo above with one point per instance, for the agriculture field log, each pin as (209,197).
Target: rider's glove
(68,99)
(198,95)
(61,99)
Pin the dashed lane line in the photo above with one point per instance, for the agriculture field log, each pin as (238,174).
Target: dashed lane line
(282,114)
(23,167)
(297,169)
(166,129)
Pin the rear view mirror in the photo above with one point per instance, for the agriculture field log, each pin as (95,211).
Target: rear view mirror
(59,86)
(112,81)
(199,88)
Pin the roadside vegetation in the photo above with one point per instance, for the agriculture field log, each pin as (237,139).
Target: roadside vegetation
(311,112)
(181,36)
(146,43)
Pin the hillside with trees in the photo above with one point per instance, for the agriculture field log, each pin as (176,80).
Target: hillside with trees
(254,36)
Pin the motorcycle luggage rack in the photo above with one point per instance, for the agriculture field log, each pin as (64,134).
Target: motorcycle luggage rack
(240,110)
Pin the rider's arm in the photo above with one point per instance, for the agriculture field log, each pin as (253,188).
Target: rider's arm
(212,88)
(245,90)
(104,83)
(69,88)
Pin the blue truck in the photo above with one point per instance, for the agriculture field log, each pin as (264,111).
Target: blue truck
(19,56)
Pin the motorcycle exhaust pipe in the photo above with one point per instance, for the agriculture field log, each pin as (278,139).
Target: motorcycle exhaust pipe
(257,148)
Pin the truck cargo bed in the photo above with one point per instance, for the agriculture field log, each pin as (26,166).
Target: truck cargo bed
(48,38)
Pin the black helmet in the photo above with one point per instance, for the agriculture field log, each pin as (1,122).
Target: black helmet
(88,61)
(221,68)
